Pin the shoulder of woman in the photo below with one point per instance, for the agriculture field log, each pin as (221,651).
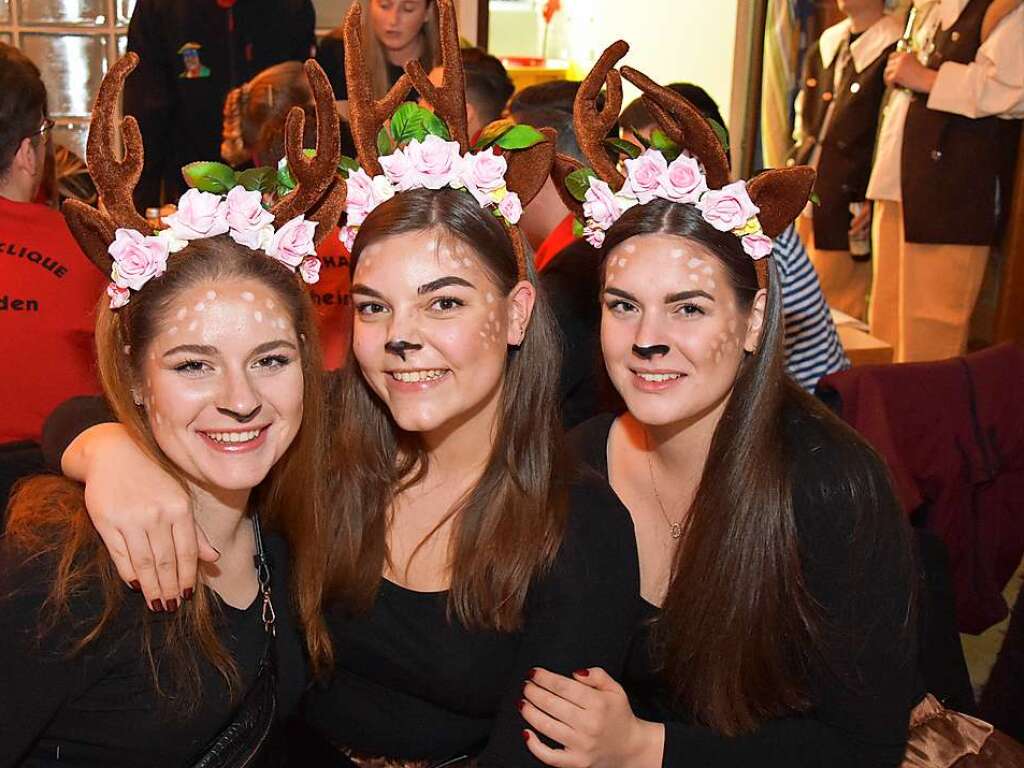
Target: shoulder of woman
(597,518)
(588,442)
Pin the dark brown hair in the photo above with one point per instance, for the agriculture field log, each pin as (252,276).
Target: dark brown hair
(738,630)
(509,527)
(48,517)
(22,102)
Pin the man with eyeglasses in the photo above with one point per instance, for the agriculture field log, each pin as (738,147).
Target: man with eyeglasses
(48,288)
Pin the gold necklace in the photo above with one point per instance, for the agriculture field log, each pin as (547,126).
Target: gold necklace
(675,528)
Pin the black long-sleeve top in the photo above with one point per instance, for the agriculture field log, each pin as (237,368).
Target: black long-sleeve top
(863,692)
(181,117)
(411,683)
(99,707)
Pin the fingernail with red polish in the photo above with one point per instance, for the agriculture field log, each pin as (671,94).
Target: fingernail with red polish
(526,735)
(582,672)
(187,594)
(157,606)
(521,704)
(172,605)
(533,673)
(135,585)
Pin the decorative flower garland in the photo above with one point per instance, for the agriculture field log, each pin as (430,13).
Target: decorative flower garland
(240,214)
(649,175)
(419,155)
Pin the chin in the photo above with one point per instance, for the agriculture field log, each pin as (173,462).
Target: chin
(419,419)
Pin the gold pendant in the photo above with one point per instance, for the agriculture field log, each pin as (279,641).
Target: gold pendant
(677,530)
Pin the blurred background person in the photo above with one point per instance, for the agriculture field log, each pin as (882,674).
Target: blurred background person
(488,87)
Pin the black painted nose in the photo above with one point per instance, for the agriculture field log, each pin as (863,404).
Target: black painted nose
(646,353)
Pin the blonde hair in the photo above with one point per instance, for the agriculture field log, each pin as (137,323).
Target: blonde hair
(264,99)
(376,59)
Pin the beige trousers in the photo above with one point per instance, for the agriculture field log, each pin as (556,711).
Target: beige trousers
(922,295)
(844,282)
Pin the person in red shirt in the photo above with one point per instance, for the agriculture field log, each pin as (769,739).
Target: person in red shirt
(48,288)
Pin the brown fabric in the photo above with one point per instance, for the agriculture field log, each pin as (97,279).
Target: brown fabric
(943,738)
(313,175)
(528,169)
(563,166)
(93,231)
(449,101)
(781,194)
(329,210)
(950,163)
(592,126)
(367,115)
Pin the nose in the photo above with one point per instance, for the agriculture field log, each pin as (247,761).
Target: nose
(651,351)
(238,398)
(403,335)
(645,344)
(399,347)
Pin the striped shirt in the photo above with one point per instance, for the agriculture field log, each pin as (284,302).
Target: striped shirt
(812,345)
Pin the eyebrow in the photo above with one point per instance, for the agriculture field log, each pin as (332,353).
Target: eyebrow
(443,282)
(205,349)
(669,299)
(365,290)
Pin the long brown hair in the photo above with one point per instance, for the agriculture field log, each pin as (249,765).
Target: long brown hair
(48,517)
(738,630)
(376,57)
(509,527)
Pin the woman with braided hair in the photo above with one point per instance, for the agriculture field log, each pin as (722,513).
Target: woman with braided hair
(459,551)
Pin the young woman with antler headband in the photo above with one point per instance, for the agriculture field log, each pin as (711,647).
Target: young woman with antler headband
(459,552)
(775,571)
(208,355)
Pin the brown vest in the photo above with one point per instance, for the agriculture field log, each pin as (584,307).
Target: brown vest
(844,165)
(950,163)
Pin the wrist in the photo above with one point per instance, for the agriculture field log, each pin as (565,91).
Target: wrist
(76,461)
(648,745)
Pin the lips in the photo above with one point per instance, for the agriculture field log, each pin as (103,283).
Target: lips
(235,441)
(415,377)
(656,381)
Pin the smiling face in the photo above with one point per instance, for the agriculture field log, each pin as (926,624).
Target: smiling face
(432,330)
(672,331)
(222,383)
(396,23)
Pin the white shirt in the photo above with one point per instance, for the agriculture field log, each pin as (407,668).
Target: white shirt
(992,84)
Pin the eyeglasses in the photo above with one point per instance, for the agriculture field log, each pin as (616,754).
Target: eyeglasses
(43,130)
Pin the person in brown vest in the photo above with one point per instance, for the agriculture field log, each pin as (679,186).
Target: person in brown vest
(936,170)
(836,118)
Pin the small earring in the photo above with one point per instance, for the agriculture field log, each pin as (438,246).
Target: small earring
(136,397)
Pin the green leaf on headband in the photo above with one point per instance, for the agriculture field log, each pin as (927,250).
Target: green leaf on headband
(347,166)
(644,141)
(520,137)
(408,123)
(209,177)
(814,198)
(578,182)
(627,148)
(577,228)
(435,126)
(384,144)
(492,132)
(665,145)
(258,179)
(720,132)
(285,180)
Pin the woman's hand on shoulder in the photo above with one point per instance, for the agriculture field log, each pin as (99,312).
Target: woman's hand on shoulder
(142,514)
(590,716)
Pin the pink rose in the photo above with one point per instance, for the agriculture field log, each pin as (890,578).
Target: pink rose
(600,205)
(400,171)
(347,235)
(137,258)
(199,214)
(594,236)
(644,175)
(511,208)
(309,269)
(436,161)
(684,182)
(118,296)
(483,173)
(293,241)
(728,208)
(360,200)
(757,246)
(246,216)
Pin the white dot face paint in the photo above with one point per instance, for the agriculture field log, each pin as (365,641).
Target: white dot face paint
(211,295)
(673,292)
(257,316)
(181,313)
(432,291)
(200,307)
(248,296)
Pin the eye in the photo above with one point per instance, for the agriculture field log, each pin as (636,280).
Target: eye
(272,362)
(446,303)
(370,308)
(620,306)
(690,310)
(193,367)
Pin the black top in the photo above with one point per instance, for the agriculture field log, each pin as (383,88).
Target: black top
(181,117)
(330,54)
(411,684)
(862,722)
(100,708)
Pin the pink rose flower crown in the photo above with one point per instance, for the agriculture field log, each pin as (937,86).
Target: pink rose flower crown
(684,162)
(308,196)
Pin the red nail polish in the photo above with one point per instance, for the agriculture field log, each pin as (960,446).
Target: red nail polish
(135,585)
(187,594)
(582,673)
(533,673)
(526,735)
(172,605)
(521,704)
(157,606)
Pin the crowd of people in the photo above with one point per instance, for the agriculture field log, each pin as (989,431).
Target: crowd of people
(436,423)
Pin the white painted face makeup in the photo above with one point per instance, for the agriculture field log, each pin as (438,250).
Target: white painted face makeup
(672,299)
(431,298)
(223,390)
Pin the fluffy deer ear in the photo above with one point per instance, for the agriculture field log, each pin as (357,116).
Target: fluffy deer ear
(781,194)
(93,231)
(528,169)
(563,166)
